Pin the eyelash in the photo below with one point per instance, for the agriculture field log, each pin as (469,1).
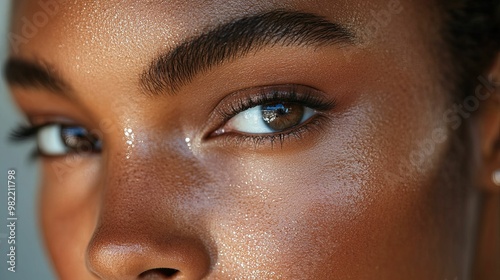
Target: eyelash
(24,132)
(306,96)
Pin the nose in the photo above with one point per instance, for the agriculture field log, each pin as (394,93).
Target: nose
(122,258)
(144,228)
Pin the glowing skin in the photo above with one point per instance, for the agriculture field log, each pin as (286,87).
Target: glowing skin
(338,200)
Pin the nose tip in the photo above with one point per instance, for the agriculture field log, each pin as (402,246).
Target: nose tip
(172,258)
(160,273)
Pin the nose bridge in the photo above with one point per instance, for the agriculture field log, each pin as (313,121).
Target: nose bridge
(131,189)
(140,184)
(142,226)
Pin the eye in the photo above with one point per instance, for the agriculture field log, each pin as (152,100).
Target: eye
(269,118)
(57,140)
(271,115)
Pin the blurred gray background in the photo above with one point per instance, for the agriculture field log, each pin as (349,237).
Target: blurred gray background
(31,261)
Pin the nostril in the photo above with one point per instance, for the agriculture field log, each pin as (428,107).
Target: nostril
(159,273)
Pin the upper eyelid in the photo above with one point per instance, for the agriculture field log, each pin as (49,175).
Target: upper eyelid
(23,132)
(251,97)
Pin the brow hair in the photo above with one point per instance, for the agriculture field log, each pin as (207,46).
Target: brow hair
(170,71)
(27,74)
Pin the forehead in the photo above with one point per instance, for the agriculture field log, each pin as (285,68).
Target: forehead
(116,38)
(137,24)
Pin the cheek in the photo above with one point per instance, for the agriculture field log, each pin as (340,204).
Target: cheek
(283,225)
(336,207)
(68,214)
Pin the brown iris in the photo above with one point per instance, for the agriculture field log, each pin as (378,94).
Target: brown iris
(283,115)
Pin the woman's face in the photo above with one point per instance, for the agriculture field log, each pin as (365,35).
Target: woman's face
(243,139)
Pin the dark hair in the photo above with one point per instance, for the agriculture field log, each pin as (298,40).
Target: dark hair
(472,34)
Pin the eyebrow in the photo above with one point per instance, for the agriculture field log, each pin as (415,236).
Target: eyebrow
(169,71)
(38,75)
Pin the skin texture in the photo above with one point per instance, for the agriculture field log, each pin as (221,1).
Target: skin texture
(358,197)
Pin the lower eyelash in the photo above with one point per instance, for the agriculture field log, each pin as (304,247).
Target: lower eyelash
(313,126)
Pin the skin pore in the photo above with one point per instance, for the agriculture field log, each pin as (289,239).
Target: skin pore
(182,189)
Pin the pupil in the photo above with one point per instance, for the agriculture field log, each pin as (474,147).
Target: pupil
(282,116)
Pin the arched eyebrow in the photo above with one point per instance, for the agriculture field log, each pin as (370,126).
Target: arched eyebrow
(34,74)
(169,71)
